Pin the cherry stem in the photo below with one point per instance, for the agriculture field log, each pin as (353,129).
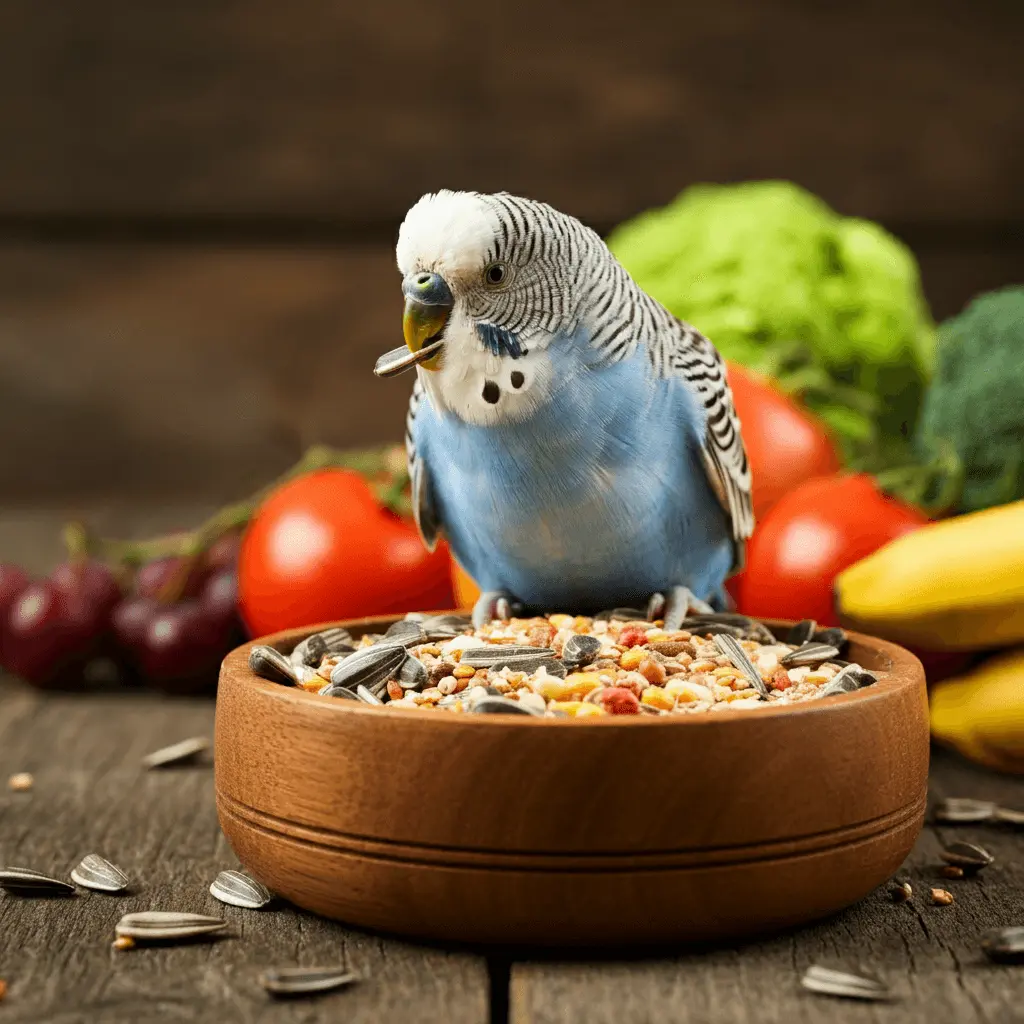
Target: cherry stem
(372,463)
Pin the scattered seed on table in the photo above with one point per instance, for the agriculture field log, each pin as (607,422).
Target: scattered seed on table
(240,890)
(158,925)
(1004,945)
(21,782)
(901,892)
(176,753)
(123,942)
(951,871)
(826,982)
(967,856)
(957,809)
(297,981)
(96,873)
(941,897)
(27,882)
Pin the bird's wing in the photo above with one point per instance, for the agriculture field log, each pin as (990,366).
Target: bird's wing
(423,509)
(682,351)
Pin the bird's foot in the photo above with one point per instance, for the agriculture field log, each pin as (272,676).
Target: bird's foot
(495,604)
(675,606)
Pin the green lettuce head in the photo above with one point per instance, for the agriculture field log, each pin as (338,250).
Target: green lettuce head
(830,305)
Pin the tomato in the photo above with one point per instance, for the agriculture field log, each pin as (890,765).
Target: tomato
(321,548)
(785,444)
(809,537)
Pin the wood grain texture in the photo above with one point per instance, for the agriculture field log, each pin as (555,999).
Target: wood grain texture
(344,113)
(92,795)
(928,954)
(201,372)
(567,848)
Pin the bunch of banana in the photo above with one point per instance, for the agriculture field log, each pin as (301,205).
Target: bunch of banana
(955,585)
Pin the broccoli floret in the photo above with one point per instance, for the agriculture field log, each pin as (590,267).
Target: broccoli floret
(975,403)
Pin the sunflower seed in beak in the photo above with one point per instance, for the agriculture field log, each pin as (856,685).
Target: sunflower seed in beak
(400,359)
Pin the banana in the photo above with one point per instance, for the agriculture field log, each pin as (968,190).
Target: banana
(982,712)
(954,585)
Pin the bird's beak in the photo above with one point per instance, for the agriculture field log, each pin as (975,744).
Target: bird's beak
(428,304)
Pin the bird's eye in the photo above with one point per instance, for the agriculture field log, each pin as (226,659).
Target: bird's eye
(495,274)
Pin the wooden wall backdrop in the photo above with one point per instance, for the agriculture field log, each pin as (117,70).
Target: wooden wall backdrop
(198,200)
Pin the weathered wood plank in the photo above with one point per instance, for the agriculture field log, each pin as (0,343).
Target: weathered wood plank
(343,113)
(192,371)
(929,954)
(92,795)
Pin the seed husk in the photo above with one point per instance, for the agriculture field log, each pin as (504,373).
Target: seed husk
(366,697)
(833,636)
(27,882)
(496,655)
(967,856)
(580,650)
(826,982)
(369,667)
(240,890)
(20,782)
(847,680)
(801,632)
(269,663)
(901,892)
(297,981)
(94,872)
(811,653)
(1004,945)
(176,753)
(941,898)
(413,674)
(333,690)
(502,706)
(963,809)
(730,647)
(311,651)
(156,925)
(1008,816)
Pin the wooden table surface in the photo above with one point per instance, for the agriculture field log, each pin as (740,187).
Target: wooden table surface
(92,795)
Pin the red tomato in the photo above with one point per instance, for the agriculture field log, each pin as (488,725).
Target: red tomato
(785,444)
(809,537)
(321,548)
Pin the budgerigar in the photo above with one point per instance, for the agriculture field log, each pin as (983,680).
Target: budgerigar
(574,441)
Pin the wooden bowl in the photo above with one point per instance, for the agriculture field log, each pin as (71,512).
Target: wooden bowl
(613,831)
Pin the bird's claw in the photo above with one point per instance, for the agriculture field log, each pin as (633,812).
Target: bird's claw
(494,604)
(676,606)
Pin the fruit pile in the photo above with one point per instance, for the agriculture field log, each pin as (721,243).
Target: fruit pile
(169,621)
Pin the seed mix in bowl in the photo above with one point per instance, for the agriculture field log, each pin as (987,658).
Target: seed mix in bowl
(561,666)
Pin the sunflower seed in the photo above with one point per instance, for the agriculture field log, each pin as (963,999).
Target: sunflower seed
(700,627)
(827,982)
(454,623)
(802,632)
(810,654)
(26,881)
(847,680)
(967,856)
(1004,945)
(269,663)
(730,647)
(311,651)
(167,924)
(297,981)
(503,706)
(403,631)
(176,753)
(580,649)
(333,690)
(413,674)
(369,667)
(363,694)
(833,636)
(497,655)
(1008,816)
(96,873)
(552,666)
(240,890)
(624,615)
(963,809)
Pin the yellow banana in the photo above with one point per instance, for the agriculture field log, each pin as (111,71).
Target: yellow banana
(955,585)
(982,712)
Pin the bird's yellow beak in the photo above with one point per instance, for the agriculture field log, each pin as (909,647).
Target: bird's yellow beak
(428,304)
(423,326)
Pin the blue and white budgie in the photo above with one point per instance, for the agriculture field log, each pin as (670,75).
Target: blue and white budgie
(575,442)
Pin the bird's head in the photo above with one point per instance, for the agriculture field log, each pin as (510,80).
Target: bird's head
(482,273)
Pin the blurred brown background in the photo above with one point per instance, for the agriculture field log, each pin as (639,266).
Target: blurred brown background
(198,200)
